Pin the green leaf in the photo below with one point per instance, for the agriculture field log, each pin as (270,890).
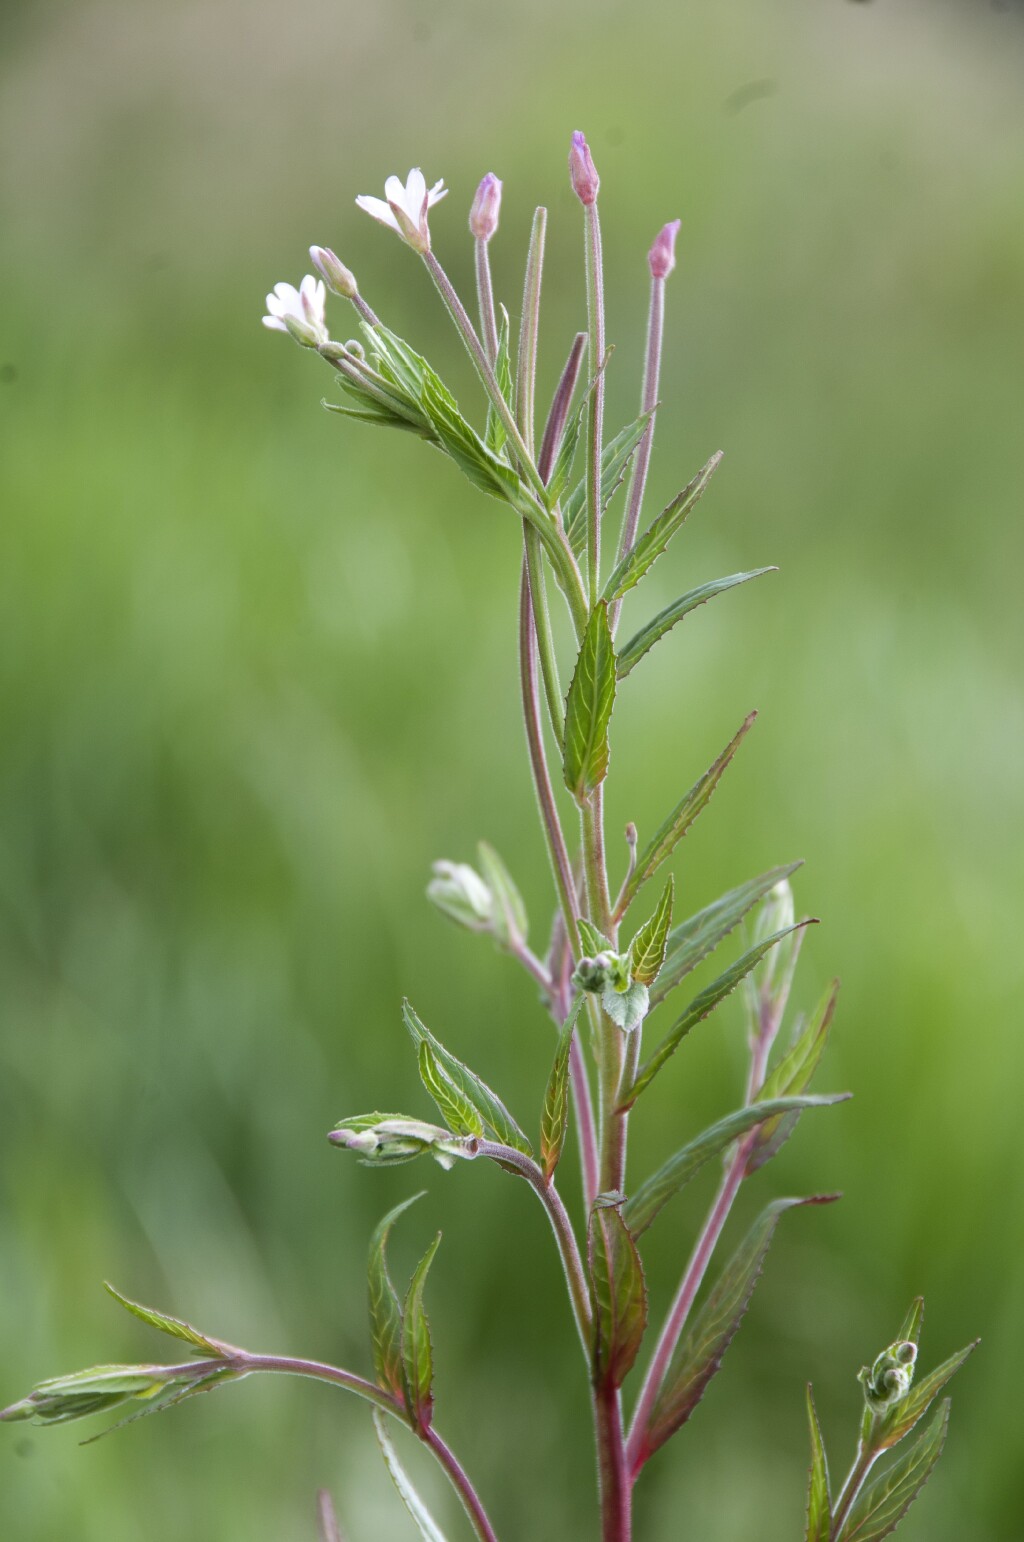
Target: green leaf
(819,1502)
(428,1528)
(900,1420)
(588,708)
(793,1075)
(476,462)
(554,1119)
(666,619)
(618,1292)
(385,1307)
(658,534)
(378,417)
(615,459)
(692,940)
(170,1325)
(509,920)
(491,1109)
(883,1504)
(591,940)
(700,1352)
(647,950)
(494,433)
(626,1008)
(682,816)
(913,1322)
(461,1117)
(656,1191)
(172,1395)
(698,1009)
(417,1352)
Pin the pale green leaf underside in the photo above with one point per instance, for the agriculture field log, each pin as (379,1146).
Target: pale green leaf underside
(428,1528)
(492,1110)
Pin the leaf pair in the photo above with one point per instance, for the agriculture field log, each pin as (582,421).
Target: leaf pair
(399,1332)
(467,1105)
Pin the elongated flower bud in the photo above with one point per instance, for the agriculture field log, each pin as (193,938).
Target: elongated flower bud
(458,890)
(334,272)
(662,255)
(582,171)
(483,216)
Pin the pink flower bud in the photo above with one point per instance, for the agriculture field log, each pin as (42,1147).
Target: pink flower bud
(662,255)
(582,171)
(337,277)
(483,216)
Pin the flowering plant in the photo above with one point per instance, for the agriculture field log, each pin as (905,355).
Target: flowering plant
(599,979)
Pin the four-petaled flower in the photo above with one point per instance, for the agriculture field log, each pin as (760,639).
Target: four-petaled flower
(299,311)
(406,208)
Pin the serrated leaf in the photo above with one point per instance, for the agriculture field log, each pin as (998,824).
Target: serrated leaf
(683,815)
(627,1009)
(173,1395)
(428,1528)
(461,1117)
(901,1419)
(591,940)
(819,1502)
(465,447)
(417,1351)
(793,1075)
(692,940)
(615,459)
(173,1326)
(494,433)
(588,708)
(618,1292)
(492,1110)
(879,1509)
(701,1350)
(643,640)
(381,418)
(658,534)
(554,1119)
(698,1009)
(509,919)
(385,1307)
(647,950)
(656,1191)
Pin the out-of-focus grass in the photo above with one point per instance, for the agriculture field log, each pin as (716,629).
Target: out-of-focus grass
(258,670)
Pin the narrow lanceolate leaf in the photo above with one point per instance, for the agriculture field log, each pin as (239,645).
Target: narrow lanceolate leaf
(692,940)
(913,1322)
(665,620)
(555,459)
(658,534)
(700,1352)
(884,1503)
(615,459)
(793,1075)
(588,708)
(171,1325)
(554,1119)
(417,1352)
(510,921)
(428,1528)
(656,1191)
(385,1307)
(494,433)
(682,817)
(698,1009)
(410,1499)
(819,1502)
(901,1419)
(618,1292)
(489,1106)
(170,1398)
(647,950)
(457,1111)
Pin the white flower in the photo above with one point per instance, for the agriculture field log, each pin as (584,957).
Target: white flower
(406,208)
(299,311)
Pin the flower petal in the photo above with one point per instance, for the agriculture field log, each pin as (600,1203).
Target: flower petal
(415,193)
(437,192)
(379,210)
(274,323)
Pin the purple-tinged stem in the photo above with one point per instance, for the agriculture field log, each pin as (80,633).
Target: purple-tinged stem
(558,412)
(461,1484)
(485,299)
(613,1469)
(595,415)
(330,1531)
(642,458)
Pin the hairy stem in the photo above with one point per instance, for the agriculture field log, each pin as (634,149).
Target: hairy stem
(485,299)
(542,627)
(561,1226)
(461,1484)
(642,458)
(862,1465)
(529,330)
(595,413)
(613,1470)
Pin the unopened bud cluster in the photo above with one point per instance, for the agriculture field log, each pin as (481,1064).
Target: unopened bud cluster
(888,1380)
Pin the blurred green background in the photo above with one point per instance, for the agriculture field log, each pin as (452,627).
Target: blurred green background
(258,670)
